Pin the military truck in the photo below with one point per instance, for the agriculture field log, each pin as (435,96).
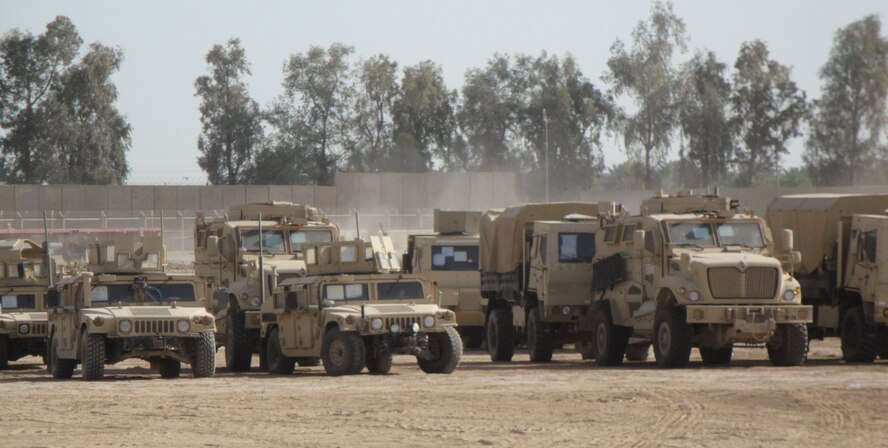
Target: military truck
(843,274)
(353,310)
(23,280)
(226,255)
(536,262)
(125,307)
(696,271)
(449,257)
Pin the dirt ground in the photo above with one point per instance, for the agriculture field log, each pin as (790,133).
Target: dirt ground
(566,403)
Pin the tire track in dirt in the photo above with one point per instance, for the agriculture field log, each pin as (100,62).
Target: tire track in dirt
(677,416)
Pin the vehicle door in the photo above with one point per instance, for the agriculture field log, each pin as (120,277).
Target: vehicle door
(297,311)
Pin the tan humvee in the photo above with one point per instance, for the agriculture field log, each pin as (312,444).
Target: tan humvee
(449,258)
(694,271)
(844,245)
(22,314)
(351,310)
(125,307)
(536,261)
(226,255)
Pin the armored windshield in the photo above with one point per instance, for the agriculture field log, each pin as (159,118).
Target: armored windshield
(272,241)
(300,237)
(720,234)
(12,302)
(148,293)
(454,258)
(696,234)
(399,290)
(576,247)
(747,234)
(354,291)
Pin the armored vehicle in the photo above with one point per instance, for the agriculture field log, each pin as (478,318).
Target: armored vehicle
(843,272)
(227,256)
(22,314)
(536,262)
(126,307)
(695,271)
(353,310)
(449,257)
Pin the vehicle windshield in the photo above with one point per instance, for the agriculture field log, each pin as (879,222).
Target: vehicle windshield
(399,290)
(353,291)
(694,234)
(11,302)
(300,237)
(454,258)
(151,293)
(747,234)
(272,241)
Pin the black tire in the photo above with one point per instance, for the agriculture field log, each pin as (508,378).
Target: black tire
(586,347)
(717,356)
(61,369)
(446,349)
(93,353)
(238,347)
(204,363)
(860,340)
(610,340)
(539,341)
(309,361)
(638,352)
(473,337)
(277,362)
(672,337)
(343,353)
(4,352)
(789,345)
(378,363)
(500,335)
(170,368)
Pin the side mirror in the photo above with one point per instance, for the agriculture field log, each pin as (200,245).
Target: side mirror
(638,239)
(786,242)
(686,264)
(795,257)
(52,298)
(213,246)
(291,301)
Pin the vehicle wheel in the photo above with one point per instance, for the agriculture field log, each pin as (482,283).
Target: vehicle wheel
(539,341)
(4,352)
(586,347)
(238,350)
(860,340)
(500,335)
(638,352)
(204,363)
(343,353)
(309,361)
(473,337)
(789,345)
(61,369)
(170,368)
(379,363)
(446,349)
(717,356)
(277,362)
(610,339)
(672,337)
(93,352)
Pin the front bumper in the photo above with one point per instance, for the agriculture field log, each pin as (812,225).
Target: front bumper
(750,320)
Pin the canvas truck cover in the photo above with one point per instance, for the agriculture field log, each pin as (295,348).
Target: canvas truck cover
(814,221)
(502,230)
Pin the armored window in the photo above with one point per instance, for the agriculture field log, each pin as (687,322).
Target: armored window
(272,241)
(300,237)
(694,234)
(399,290)
(454,258)
(610,234)
(20,301)
(353,291)
(869,246)
(747,234)
(628,230)
(348,254)
(165,292)
(576,247)
(649,244)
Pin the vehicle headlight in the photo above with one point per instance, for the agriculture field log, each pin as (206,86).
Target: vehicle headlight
(183,326)
(376,323)
(24,328)
(414,328)
(99,321)
(395,328)
(428,321)
(694,296)
(788,295)
(565,311)
(125,326)
(255,302)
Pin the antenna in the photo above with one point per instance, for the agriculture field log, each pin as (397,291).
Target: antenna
(162,245)
(261,265)
(46,258)
(357,226)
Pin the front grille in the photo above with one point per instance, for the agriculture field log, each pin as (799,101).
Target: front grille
(403,322)
(755,283)
(153,326)
(38,329)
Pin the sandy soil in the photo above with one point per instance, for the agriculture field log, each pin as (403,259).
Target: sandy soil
(566,403)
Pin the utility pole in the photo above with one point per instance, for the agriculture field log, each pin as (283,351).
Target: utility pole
(546,125)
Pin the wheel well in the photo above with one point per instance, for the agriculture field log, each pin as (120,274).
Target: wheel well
(331,325)
(232,303)
(665,298)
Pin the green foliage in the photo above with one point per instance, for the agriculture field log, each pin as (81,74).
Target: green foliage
(372,139)
(231,127)
(768,109)
(849,120)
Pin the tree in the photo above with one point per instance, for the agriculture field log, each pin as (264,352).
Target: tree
(849,120)
(705,118)
(768,109)
(376,91)
(231,126)
(425,123)
(32,67)
(646,74)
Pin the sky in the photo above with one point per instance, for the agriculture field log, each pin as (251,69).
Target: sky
(165,42)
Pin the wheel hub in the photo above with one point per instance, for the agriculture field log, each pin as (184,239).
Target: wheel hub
(664,338)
